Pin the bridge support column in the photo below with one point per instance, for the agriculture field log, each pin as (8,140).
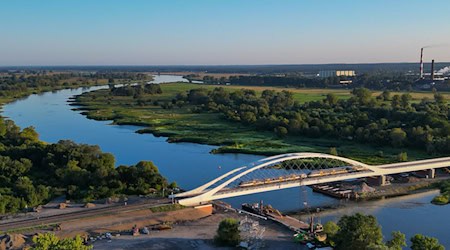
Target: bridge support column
(382,180)
(431,173)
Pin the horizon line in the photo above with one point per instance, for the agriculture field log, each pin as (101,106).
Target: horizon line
(203,65)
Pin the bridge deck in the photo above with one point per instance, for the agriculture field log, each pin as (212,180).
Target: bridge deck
(208,193)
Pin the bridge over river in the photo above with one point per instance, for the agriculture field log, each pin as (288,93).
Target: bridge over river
(298,169)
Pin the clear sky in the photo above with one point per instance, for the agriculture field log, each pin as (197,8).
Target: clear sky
(168,32)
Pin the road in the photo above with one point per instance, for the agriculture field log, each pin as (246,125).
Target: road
(89,212)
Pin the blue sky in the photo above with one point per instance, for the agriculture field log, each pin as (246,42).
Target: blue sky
(194,32)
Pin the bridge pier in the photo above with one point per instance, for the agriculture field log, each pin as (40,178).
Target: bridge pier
(431,173)
(381,180)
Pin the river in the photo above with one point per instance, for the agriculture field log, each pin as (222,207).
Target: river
(191,164)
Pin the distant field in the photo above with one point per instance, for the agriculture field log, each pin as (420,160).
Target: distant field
(300,94)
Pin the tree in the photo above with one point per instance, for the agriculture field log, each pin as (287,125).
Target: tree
(397,137)
(333,151)
(377,247)
(228,233)
(439,98)
(405,99)
(281,131)
(363,95)
(358,231)
(248,117)
(395,102)
(397,242)
(49,241)
(386,95)
(331,229)
(403,156)
(28,134)
(421,242)
(332,99)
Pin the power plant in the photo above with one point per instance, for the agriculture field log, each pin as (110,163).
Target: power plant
(421,63)
(432,76)
(432,70)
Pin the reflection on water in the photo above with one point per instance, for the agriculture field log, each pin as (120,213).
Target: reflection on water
(170,78)
(191,164)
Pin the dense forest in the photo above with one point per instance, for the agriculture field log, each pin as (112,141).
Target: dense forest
(382,120)
(32,172)
(135,90)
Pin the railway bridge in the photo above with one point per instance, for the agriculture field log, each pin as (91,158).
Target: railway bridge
(298,169)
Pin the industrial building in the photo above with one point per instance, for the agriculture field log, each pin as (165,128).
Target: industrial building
(334,73)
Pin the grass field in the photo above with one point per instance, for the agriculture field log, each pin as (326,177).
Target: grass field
(181,125)
(300,94)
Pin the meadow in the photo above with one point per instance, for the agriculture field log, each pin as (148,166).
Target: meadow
(181,124)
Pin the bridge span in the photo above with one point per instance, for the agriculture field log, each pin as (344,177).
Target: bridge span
(294,170)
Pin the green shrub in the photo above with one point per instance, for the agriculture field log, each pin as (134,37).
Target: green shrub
(441,200)
(228,233)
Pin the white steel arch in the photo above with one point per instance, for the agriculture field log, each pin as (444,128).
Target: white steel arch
(205,195)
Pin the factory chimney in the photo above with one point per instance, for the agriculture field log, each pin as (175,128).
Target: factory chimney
(432,69)
(421,63)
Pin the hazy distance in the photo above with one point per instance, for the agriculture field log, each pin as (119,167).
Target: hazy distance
(221,32)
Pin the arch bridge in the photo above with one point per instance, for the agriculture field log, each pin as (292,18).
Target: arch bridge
(294,170)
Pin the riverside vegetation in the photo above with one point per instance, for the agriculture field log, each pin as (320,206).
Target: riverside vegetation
(444,197)
(14,85)
(357,231)
(374,128)
(360,231)
(32,171)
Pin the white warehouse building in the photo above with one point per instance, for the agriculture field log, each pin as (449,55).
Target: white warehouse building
(333,73)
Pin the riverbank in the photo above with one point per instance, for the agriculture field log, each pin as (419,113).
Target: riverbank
(157,115)
(444,197)
(35,91)
(381,193)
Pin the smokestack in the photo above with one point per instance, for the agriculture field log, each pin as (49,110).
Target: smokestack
(432,69)
(421,63)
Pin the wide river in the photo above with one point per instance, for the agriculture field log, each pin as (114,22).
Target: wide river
(191,165)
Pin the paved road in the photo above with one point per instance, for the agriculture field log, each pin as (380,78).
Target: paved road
(55,219)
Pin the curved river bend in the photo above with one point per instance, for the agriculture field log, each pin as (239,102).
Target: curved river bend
(191,164)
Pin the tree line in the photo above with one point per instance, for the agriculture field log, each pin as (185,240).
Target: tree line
(375,80)
(382,120)
(32,172)
(135,90)
(13,84)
